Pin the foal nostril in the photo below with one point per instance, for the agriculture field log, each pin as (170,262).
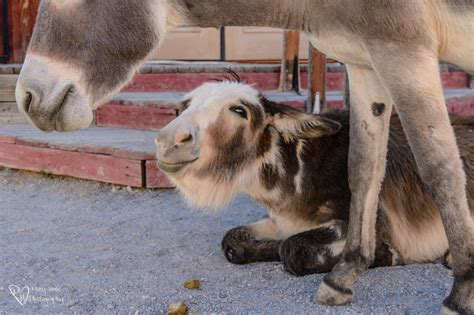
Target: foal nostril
(188,138)
(183,137)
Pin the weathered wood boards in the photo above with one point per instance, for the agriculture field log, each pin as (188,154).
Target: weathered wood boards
(123,157)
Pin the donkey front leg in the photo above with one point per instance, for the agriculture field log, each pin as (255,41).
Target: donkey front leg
(255,242)
(371,107)
(417,92)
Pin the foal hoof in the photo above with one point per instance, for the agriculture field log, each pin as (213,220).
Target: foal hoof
(232,247)
(330,297)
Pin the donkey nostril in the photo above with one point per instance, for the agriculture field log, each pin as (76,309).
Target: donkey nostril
(28,101)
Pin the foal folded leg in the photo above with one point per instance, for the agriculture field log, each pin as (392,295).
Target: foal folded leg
(371,107)
(318,250)
(418,95)
(255,242)
(314,251)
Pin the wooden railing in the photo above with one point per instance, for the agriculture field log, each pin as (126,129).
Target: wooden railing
(290,72)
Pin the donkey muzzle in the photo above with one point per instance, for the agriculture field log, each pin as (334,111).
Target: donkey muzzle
(50,99)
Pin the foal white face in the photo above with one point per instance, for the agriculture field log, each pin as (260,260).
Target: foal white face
(215,148)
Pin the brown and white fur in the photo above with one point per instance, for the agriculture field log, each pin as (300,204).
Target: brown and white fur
(230,140)
(84,50)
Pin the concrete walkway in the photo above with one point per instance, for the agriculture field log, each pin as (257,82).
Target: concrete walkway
(85,247)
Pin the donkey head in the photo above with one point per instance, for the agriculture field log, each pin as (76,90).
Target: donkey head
(81,52)
(227,131)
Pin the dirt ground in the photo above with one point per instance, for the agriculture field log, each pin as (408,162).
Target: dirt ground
(79,246)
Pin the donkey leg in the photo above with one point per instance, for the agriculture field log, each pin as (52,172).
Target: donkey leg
(417,92)
(314,251)
(252,243)
(371,108)
(318,250)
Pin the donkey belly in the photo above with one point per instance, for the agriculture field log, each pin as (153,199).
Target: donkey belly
(459,39)
(422,241)
(341,47)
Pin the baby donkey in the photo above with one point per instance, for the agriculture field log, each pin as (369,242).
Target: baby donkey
(230,139)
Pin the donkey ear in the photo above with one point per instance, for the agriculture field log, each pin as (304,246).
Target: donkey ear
(294,124)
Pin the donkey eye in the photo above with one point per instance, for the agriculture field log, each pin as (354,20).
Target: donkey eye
(239,111)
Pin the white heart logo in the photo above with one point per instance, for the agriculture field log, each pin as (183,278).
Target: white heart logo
(21,295)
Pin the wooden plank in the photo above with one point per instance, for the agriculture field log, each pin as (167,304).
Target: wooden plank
(9,113)
(7,139)
(461,105)
(455,80)
(9,108)
(8,81)
(290,72)
(102,168)
(156,178)
(7,95)
(176,82)
(134,117)
(316,81)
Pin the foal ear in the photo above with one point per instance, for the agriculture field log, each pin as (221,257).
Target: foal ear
(294,124)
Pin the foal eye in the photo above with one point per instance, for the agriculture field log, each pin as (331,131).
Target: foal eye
(239,111)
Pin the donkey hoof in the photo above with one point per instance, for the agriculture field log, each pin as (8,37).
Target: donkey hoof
(330,297)
(461,299)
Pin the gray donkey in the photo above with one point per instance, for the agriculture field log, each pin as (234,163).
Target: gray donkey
(82,51)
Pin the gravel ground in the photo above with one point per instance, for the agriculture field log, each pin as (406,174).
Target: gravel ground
(92,248)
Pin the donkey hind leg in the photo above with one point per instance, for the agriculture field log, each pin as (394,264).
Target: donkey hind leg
(314,251)
(371,107)
(418,95)
(252,243)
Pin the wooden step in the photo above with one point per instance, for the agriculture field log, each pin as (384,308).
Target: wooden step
(9,114)
(152,111)
(163,77)
(117,156)
(168,76)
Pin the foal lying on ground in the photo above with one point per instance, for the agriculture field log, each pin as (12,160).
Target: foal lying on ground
(230,139)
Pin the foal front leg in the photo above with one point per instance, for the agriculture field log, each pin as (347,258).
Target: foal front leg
(371,107)
(255,242)
(314,251)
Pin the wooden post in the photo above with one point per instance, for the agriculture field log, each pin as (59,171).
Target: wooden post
(316,101)
(347,94)
(22,17)
(290,69)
